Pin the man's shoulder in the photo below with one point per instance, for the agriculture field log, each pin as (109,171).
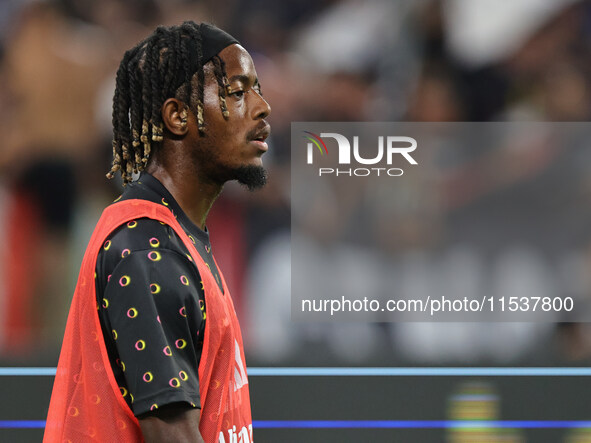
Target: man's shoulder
(141,234)
(135,237)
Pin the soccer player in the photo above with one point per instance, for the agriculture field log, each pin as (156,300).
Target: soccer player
(152,349)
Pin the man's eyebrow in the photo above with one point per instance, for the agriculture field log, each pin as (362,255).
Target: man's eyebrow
(243,78)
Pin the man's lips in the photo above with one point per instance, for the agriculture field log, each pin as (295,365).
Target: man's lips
(259,135)
(261,145)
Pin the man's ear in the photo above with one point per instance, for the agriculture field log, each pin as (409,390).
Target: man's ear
(174,116)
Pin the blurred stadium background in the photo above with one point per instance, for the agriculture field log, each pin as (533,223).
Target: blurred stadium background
(317,60)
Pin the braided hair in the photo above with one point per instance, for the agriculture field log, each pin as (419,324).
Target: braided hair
(147,76)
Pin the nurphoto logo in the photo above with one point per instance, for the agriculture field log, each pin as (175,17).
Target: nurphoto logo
(388,148)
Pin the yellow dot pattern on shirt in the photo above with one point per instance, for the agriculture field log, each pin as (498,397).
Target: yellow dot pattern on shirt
(132,312)
(148,377)
(125,280)
(140,345)
(154,256)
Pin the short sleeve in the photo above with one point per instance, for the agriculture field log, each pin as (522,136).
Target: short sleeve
(152,306)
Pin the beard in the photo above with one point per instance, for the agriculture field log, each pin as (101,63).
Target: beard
(253,177)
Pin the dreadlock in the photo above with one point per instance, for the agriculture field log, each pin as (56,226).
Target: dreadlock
(145,79)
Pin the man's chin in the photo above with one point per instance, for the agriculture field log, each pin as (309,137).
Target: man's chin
(253,177)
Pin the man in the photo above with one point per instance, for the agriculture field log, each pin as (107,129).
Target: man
(163,359)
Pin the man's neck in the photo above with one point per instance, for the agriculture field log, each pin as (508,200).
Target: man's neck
(193,196)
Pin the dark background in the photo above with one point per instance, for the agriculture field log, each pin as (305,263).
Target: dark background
(329,60)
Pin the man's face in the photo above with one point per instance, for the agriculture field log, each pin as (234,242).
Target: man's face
(232,149)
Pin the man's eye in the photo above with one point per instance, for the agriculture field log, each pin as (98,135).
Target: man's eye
(238,94)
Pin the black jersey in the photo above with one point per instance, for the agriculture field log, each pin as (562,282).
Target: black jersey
(151,304)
